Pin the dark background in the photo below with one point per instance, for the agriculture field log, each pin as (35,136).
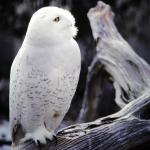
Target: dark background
(132,18)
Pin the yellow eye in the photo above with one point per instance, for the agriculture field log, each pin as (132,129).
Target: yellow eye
(56,19)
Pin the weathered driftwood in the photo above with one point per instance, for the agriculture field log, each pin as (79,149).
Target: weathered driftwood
(128,128)
(128,72)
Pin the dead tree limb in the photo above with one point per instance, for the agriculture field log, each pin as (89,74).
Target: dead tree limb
(128,128)
(128,72)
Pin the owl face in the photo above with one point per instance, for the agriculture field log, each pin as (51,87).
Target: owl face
(52,25)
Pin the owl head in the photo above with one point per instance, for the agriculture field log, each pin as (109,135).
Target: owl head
(51,25)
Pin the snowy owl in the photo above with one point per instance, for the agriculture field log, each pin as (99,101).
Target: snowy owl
(44,76)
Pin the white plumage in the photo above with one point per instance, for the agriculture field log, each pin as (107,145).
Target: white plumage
(44,75)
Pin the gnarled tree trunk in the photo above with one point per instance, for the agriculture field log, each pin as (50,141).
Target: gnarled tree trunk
(126,129)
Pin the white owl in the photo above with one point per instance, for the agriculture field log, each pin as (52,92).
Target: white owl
(44,76)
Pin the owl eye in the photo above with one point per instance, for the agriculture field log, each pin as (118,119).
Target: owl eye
(57,19)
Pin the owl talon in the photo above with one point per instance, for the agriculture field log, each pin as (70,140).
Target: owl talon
(39,144)
(55,138)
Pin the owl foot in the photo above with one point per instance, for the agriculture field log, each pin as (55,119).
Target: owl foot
(55,138)
(39,136)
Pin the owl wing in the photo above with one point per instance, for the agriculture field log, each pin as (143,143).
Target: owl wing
(15,125)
